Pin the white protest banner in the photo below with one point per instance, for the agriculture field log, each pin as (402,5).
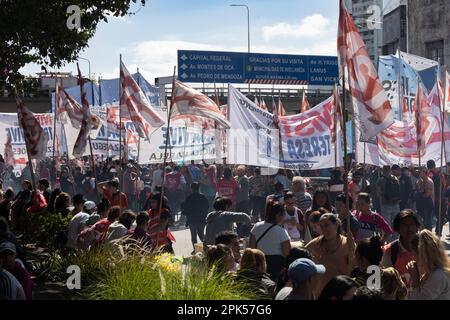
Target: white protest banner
(253,138)
(306,139)
(187,142)
(9,126)
(366,152)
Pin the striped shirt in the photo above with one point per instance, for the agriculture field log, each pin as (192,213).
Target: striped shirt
(10,288)
(304,200)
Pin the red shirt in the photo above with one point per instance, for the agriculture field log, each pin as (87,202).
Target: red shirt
(24,279)
(403,258)
(159,238)
(101,227)
(173,181)
(115,199)
(228,188)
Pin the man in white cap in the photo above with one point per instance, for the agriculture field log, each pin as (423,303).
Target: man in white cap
(302,274)
(78,223)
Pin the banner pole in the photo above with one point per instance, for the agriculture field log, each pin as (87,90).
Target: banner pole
(167,138)
(120,132)
(417,122)
(30,162)
(94,172)
(344,136)
(54,131)
(441,111)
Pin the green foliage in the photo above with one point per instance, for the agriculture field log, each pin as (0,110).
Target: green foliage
(47,229)
(51,267)
(128,272)
(36,31)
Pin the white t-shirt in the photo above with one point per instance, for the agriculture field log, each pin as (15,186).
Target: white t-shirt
(292,231)
(270,244)
(72,234)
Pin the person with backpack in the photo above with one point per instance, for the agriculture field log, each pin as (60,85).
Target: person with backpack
(400,252)
(389,190)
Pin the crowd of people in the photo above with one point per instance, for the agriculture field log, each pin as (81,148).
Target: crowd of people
(287,237)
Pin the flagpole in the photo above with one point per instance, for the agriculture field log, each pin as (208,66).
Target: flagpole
(120,130)
(417,122)
(54,131)
(441,111)
(94,172)
(100,102)
(139,136)
(399,86)
(167,138)
(344,136)
(335,129)
(30,162)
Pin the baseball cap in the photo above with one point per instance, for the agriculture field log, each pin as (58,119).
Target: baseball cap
(302,269)
(89,205)
(4,246)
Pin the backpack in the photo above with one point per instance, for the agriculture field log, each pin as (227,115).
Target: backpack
(392,189)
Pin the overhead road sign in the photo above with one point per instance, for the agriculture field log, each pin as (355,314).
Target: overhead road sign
(240,67)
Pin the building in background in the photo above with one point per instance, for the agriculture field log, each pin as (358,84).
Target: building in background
(368,17)
(429,29)
(394,26)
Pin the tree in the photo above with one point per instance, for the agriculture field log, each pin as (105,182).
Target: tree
(36,31)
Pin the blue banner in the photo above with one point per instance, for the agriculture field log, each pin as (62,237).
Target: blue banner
(239,67)
(108,91)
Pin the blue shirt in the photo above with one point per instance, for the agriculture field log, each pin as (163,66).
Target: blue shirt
(195,173)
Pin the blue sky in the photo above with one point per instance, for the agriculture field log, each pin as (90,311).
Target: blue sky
(151,38)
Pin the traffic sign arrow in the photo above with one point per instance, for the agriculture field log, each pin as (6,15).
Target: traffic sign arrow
(184,67)
(184,75)
(183,57)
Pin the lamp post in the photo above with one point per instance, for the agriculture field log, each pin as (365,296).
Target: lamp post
(248,28)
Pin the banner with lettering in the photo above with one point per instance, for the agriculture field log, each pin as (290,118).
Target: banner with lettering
(9,126)
(306,139)
(253,138)
(186,143)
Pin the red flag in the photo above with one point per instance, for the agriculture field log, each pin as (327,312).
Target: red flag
(9,154)
(370,103)
(135,105)
(88,123)
(276,118)
(422,111)
(281,110)
(337,114)
(305,104)
(257,102)
(263,105)
(68,107)
(35,136)
(188,101)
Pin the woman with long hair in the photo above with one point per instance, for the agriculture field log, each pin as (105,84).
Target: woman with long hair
(369,252)
(321,199)
(271,238)
(331,249)
(252,270)
(430,275)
